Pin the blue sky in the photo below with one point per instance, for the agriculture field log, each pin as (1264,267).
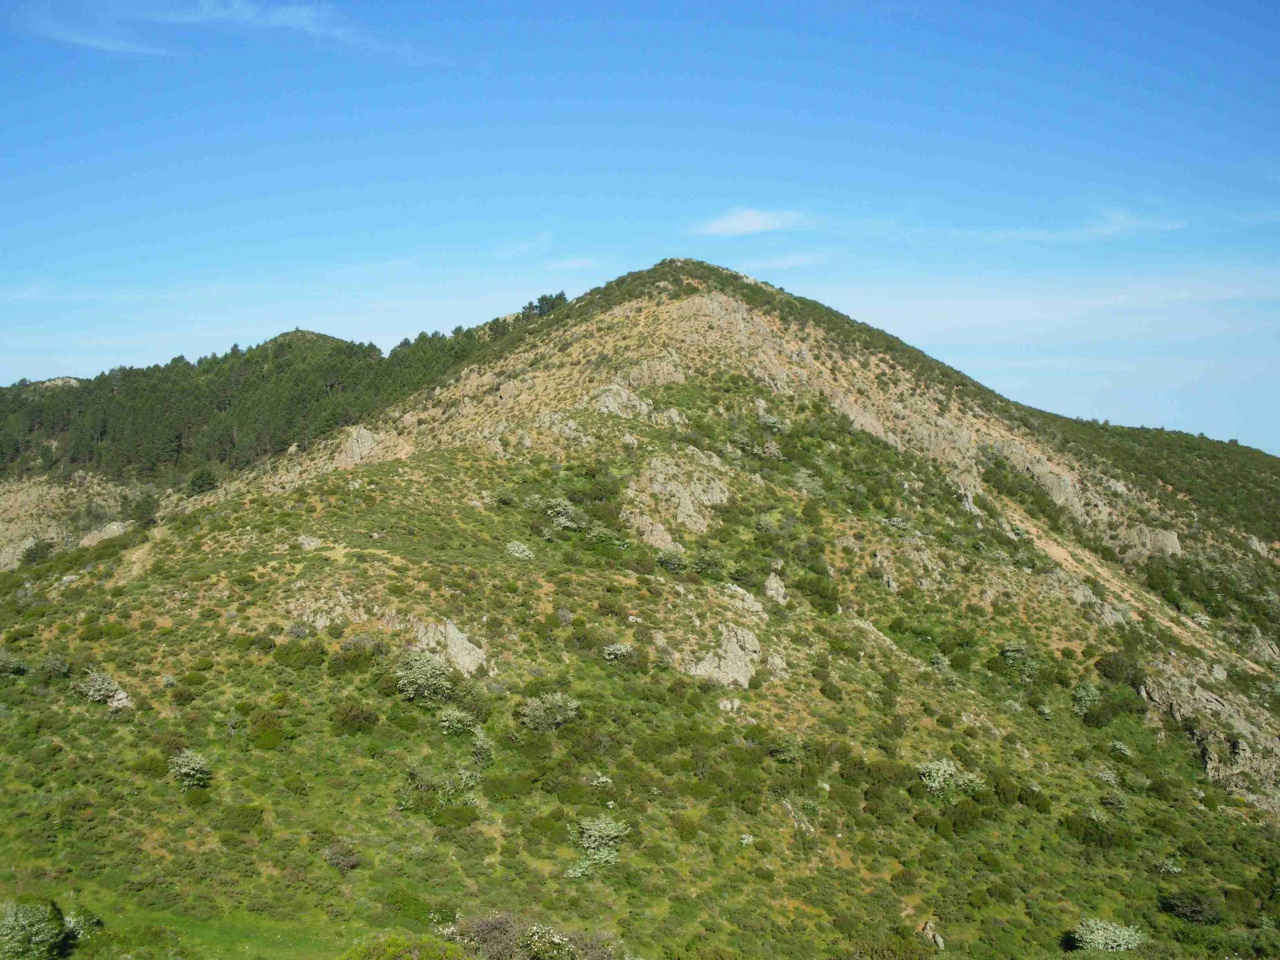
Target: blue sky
(1078,203)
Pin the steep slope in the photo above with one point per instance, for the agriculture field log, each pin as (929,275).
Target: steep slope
(688,613)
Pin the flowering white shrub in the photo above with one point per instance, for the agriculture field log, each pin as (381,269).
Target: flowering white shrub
(519,551)
(1084,698)
(1169,867)
(601,833)
(54,666)
(1096,934)
(190,769)
(1136,780)
(424,677)
(82,924)
(601,536)
(618,651)
(599,837)
(455,722)
(99,687)
(542,943)
(944,778)
(746,840)
(1121,749)
(1108,777)
(481,746)
(547,712)
(30,931)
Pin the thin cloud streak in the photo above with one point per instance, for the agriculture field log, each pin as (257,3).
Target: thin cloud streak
(118,29)
(103,38)
(1110,224)
(745,221)
(316,20)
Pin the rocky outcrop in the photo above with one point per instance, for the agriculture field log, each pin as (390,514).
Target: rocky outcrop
(113,529)
(120,700)
(1146,542)
(618,401)
(1237,746)
(775,589)
(680,490)
(360,443)
(456,646)
(656,372)
(733,662)
(743,600)
(651,531)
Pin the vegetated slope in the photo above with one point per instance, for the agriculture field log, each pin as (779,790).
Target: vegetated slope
(228,411)
(691,615)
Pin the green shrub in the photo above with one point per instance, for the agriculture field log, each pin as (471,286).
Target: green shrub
(298,654)
(1194,904)
(395,947)
(351,716)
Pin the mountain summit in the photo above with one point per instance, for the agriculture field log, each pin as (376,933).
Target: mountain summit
(688,618)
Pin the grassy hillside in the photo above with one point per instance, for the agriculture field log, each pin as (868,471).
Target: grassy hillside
(472,694)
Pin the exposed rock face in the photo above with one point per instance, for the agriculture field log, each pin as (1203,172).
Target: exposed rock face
(932,935)
(459,650)
(651,531)
(677,490)
(1236,752)
(1146,542)
(1110,616)
(309,543)
(734,661)
(618,401)
(671,417)
(743,600)
(113,529)
(1082,595)
(33,509)
(119,701)
(357,447)
(1258,547)
(775,589)
(656,372)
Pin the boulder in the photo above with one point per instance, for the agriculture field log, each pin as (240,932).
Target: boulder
(113,529)
(734,661)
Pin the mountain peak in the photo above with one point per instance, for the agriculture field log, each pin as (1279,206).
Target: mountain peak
(689,600)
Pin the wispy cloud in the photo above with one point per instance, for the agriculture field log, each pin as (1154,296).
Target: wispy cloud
(154,29)
(747,220)
(788,261)
(313,19)
(572,263)
(1107,225)
(106,37)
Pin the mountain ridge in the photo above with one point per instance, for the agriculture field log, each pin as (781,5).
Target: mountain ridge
(686,613)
